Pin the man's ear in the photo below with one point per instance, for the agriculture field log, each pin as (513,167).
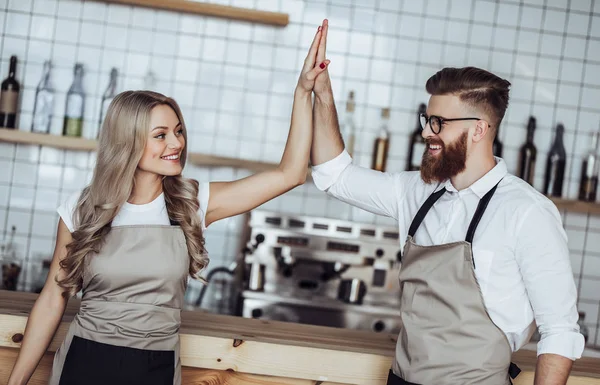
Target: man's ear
(482,129)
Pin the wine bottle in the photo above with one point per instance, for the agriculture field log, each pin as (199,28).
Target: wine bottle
(44,103)
(417,144)
(382,143)
(349,128)
(9,96)
(588,184)
(528,154)
(73,123)
(107,97)
(555,165)
(497,146)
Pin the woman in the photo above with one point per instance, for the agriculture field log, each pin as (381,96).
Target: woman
(131,238)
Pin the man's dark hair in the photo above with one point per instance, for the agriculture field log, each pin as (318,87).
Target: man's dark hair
(478,88)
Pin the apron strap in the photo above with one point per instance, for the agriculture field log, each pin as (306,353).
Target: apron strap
(479,213)
(173,223)
(424,210)
(414,226)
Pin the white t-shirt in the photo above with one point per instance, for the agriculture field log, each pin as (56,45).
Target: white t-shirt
(153,213)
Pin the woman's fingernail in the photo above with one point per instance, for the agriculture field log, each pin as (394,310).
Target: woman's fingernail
(322,65)
(319,29)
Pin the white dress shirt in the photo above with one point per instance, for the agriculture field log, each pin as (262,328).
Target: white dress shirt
(520,247)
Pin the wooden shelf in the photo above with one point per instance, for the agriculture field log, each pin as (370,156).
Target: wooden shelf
(56,141)
(222,161)
(577,206)
(68,143)
(208,9)
(81,144)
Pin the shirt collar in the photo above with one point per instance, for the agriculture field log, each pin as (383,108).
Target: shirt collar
(483,184)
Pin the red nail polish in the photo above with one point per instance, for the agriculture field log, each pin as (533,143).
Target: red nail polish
(322,65)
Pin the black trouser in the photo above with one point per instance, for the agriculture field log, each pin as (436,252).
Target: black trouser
(393,379)
(94,363)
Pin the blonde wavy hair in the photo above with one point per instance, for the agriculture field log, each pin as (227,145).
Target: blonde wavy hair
(120,148)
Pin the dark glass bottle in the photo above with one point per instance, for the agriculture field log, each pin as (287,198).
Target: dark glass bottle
(528,154)
(588,183)
(9,96)
(417,144)
(555,165)
(497,146)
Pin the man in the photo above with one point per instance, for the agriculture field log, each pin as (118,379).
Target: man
(485,256)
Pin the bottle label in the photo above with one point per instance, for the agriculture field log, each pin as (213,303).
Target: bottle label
(590,167)
(588,189)
(417,155)
(380,154)
(74,106)
(8,101)
(73,127)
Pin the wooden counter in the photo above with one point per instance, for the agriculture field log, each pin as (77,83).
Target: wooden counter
(217,349)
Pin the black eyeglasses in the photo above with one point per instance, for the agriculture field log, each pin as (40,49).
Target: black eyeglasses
(436,122)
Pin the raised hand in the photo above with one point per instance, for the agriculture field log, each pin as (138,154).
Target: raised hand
(314,64)
(322,85)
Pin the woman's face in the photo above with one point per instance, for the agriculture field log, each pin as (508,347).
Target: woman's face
(165,143)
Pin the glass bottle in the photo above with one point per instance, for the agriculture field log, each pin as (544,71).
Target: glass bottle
(73,123)
(528,154)
(583,329)
(417,144)
(9,96)
(44,103)
(382,142)
(588,183)
(107,97)
(555,165)
(349,127)
(11,267)
(497,146)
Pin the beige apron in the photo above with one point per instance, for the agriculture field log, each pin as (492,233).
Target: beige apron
(446,335)
(133,293)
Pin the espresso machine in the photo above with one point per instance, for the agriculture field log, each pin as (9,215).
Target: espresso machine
(320,271)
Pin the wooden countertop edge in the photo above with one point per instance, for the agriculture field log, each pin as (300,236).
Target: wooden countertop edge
(266,347)
(216,325)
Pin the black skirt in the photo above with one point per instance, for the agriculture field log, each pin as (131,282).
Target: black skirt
(94,363)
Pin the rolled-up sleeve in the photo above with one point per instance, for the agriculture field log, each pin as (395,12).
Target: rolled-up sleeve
(543,257)
(326,174)
(373,191)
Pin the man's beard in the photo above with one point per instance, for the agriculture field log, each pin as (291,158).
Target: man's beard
(448,163)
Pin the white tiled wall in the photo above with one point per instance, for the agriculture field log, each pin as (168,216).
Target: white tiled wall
(235,80)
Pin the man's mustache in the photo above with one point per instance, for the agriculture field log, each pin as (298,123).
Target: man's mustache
(434,142)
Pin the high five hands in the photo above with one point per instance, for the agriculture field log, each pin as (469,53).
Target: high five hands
(315,64)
